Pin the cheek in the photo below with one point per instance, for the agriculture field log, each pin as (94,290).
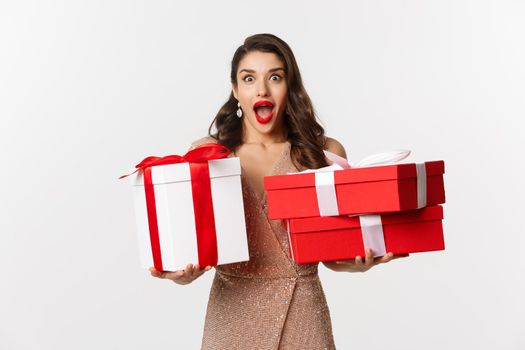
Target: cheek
(245,94)
(282,93)
(243,99)
(282,100)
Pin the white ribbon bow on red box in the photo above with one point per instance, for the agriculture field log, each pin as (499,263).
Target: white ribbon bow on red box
(325,183)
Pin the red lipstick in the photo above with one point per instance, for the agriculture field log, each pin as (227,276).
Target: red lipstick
(266,111)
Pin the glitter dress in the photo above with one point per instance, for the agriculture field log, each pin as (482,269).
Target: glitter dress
(268,302)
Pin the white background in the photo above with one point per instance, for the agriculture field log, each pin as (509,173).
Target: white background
(89,88)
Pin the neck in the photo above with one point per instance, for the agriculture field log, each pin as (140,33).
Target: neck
(252,136)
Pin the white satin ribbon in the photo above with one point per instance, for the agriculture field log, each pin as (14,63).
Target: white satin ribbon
(324,177)
(372,232)
(325,188)
(376,159)
(421,185)
(326,196)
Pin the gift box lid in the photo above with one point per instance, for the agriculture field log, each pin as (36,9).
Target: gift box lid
(354,175)
(171,173)
(328,223)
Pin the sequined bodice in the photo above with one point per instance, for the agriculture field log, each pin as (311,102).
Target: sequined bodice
(267,239)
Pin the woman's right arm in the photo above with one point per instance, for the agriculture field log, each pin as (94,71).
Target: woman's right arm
(185,276)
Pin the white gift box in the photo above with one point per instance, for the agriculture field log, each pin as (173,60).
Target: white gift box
(175,214)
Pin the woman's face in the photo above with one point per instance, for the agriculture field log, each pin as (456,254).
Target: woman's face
(262,91)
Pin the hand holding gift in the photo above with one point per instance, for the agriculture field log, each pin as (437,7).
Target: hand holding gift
(185,276)
(357,264)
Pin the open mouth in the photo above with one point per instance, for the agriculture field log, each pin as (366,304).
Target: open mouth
(263,111)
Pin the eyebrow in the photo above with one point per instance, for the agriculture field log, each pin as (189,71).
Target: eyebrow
(271,70)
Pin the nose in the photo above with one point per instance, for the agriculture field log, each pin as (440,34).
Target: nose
(262,89)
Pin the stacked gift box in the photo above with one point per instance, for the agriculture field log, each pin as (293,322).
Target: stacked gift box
(334,213)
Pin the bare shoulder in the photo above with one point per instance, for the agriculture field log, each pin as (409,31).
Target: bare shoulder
(202,141)
(334,146)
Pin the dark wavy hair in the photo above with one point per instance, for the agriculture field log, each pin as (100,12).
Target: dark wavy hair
(304,133)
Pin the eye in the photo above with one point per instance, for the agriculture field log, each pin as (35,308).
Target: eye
(248,78)
(275,77)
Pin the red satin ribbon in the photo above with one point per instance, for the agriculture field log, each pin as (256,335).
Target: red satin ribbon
(202,200)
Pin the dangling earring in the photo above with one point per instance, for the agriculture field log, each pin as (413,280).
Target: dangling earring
(239,110)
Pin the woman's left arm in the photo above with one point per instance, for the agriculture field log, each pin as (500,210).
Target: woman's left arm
(357,264)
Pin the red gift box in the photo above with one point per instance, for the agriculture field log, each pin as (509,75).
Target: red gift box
(377,189)
(341,237)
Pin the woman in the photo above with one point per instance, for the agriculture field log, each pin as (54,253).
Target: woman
(268,122)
